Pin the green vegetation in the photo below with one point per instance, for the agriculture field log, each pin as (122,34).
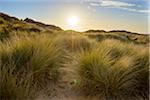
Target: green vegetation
(34,59)
(103,65)
(13,87)
(113,71)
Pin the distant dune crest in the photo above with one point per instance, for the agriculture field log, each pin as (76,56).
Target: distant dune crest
(12,24)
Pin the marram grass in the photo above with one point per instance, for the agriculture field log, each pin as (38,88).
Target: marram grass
(119,76)
(36,59)
(109,70)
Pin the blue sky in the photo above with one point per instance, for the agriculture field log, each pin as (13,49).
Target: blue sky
(131,15)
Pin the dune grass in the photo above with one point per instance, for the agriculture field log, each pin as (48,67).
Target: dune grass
(14,88)
(36,59)
(109,70)
(74,43)
(113,71)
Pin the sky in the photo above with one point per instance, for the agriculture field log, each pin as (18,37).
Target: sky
(82,15)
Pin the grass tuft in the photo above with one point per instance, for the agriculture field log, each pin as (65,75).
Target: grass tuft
(112,77)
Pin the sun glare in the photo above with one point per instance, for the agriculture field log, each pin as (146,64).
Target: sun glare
(73,21)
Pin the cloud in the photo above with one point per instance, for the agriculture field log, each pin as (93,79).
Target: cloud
(118,5)
(144,11)
(136,10)
(91,0)
(115,4)
(94,4)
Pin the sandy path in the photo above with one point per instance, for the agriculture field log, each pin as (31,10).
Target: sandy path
(64,90)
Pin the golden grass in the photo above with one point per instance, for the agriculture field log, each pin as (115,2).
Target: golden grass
(109,69)
(37,59)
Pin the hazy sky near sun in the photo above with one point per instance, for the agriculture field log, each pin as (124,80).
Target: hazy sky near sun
(131,15)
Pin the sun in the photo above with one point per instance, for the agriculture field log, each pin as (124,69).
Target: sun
(73,21)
